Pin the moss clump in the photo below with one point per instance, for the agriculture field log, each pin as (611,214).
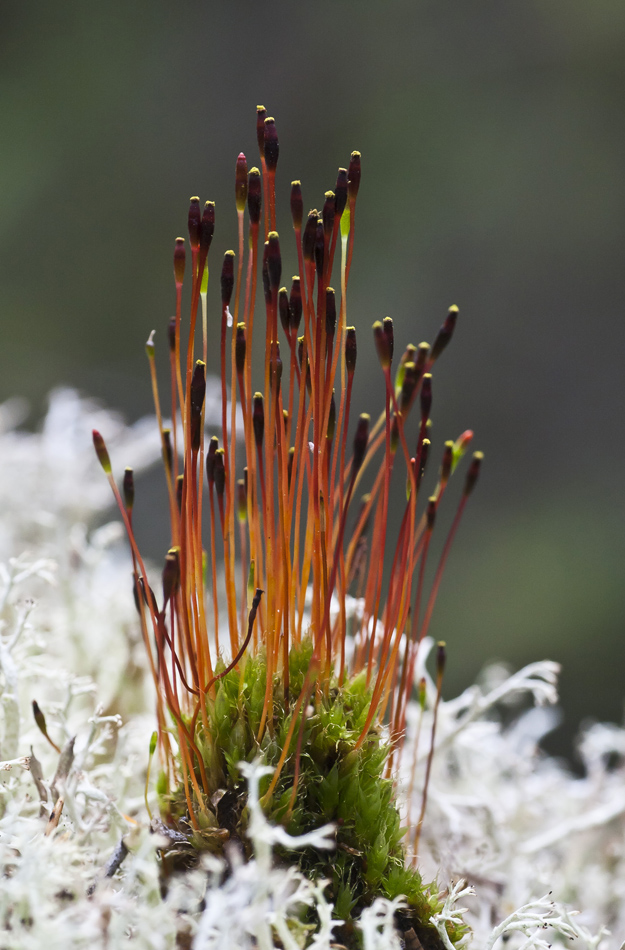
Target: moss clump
(337,783)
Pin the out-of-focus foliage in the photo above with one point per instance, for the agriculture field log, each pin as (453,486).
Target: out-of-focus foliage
(493,151)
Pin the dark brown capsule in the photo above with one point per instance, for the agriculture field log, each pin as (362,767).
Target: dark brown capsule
(445,334)
(309,236)
(171,575)
(448,458)
(149,597)
(213,445)
(240,182)
(180,256)
(274,260)
(240,347)
(271,147)
(300,350)
(258,419)
(227,278)
(261,113)
(275,368)
(254,195)
(421,358)
(430,514)
(295,304)
(300,359)
(327,215)
(331,419)
(340,192)
(197,395)
(441,659)
(220,473)
(425,454)
(350,349)
(330,313)
(284,310)
(353,176)
(426,396)
(168,454)
(387,324)
(129,489)
(207,227)
(473,473)
(194,223)
(290,464)
(297,204)
(171,334)
(383,349)
(394,434)
(40,719)
(360,441)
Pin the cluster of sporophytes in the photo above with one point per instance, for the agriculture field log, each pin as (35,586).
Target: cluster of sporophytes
(279,667)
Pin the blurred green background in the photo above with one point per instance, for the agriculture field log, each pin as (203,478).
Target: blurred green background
(493,143)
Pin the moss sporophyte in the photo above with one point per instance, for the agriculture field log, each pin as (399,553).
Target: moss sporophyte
(283,666)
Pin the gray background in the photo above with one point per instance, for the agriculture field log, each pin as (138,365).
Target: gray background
(493,148)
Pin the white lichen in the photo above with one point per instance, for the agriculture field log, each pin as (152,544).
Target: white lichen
(505,822)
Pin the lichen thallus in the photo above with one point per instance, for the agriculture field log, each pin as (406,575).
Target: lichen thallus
(288,671)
